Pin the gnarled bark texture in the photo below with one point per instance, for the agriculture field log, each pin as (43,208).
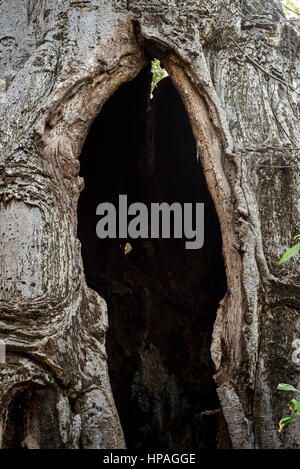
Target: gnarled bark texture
(235,65)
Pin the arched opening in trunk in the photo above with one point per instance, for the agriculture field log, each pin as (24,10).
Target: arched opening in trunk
(162,298)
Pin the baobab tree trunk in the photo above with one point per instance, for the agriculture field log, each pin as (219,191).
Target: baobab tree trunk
(235,65)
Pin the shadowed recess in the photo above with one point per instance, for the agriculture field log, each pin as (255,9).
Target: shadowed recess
(162,299)
(31,421)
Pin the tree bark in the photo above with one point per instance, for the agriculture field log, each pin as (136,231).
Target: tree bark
(236,67)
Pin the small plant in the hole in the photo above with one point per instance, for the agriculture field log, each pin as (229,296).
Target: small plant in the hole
(158,73)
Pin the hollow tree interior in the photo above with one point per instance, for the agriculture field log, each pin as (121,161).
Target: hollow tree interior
(162,298)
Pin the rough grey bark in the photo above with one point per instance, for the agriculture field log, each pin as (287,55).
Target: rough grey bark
(236,65)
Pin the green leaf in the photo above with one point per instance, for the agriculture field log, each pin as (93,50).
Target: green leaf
(285,422)
(295,406)
(290,253)
(291,9)
(158,73)
(286,387)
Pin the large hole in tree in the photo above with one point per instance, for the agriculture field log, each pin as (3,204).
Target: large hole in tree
(162,299)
